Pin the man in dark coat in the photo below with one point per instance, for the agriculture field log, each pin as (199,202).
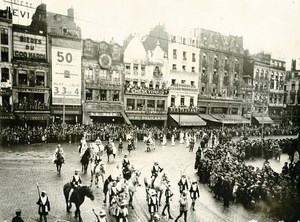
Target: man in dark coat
(18,218)
(44,206)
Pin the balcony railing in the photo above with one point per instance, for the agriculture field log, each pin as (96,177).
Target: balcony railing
(103,81)
(146,110)
(178,86)
(184,109)
(145,90)
(30,106)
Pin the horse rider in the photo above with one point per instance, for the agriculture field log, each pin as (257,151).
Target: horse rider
(125,162)
(75,183)
(183,184)
(113,192)
(59,150)
(155,170)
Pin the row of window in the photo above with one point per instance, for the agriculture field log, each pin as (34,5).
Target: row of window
(145,104)
(183,68)
(102,95)
(184,55)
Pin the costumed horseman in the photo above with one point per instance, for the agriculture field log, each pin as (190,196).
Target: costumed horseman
(75,183)
(59,151)
(155,170)
(83,146)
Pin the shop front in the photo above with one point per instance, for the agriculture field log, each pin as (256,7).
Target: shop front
(148,119)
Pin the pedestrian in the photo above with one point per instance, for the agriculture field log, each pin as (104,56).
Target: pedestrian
(18,217)
(168,194)
(183,206)
(44,206)
(183,184)
(194,194)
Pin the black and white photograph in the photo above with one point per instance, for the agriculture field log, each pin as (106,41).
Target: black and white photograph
(149,111)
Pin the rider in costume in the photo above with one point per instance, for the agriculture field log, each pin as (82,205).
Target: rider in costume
(59,150)
(75,183)
(155,170)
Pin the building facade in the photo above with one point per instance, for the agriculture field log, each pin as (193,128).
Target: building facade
(146,92)
(102,71)
(220,76)
(64,54)
(31,88)
(6,101)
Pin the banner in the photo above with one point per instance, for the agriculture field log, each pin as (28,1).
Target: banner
(66,76)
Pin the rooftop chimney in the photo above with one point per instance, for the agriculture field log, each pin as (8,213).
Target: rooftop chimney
(71,14)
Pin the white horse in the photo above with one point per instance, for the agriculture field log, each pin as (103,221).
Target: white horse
(159,184)
(97,170)
(150,143)
(131,186)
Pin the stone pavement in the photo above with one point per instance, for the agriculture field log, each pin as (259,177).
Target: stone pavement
(22,167)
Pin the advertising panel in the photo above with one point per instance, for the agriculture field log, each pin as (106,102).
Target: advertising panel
(29,46)
(66,76)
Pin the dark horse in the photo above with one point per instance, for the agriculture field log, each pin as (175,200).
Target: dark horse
(109,150)
(59,161)
(85,159)
(77,197)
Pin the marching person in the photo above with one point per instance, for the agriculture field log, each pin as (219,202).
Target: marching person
(59,151)
(125,162)
(168,194)
(18,217)
(120,145)
(152,203)
(183,206)
(183,184)
(173,139)
(122,212)
(155,170)
(75,183)
(44,206)
(113,192)
(194,194)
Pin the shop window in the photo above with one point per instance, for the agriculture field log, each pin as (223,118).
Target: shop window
(161,104)
(103,95)
(4,54)
(4,36)
(4,74)
(130,104)
(116,96)
(151,104)
(22,77)
(89,94)
(40,78)
(141,104)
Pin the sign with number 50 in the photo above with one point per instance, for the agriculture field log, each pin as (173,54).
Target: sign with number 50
(66,76)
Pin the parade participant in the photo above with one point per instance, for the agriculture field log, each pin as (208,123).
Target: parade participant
(122,212)
(129,146)
(113,192)
(18,217)
(120,145)
(181,135)
(155,170)
(168,194)
(44,206)
(187,140)
(173,140)
(75,183)
(59,151)
(183,206)
(191,144)
(83,146)
(183,184)
(152,203)
(125,162)
(164,141)
(98,141)
(194,194)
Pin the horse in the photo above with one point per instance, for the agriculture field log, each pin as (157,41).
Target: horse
(97,170)
(77,197)
(132,183)
(59,161)
(107,185)
(109,150)
(85,159)
(158,185)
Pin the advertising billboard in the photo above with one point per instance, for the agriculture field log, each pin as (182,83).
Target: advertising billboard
(66,76)
(29,46)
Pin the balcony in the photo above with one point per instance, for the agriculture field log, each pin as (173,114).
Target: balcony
(183,109)
(183,87)
(102,82)
(145,110)
(32,106)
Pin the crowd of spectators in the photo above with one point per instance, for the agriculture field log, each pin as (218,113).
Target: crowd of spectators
(225,172)
(74,132)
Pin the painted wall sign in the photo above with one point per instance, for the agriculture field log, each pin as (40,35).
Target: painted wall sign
(29,46)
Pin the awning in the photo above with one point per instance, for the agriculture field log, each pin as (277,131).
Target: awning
(265,120)
(231,119)
(208,117)
(188,120)
(33,116)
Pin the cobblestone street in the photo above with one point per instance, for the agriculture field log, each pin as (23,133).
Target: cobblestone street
(22,168)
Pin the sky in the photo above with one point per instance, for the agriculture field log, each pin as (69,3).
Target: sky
(266,25)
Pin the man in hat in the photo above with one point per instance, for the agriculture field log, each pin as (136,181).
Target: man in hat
(44,206)
(168,194)
(152,203)
(75,182)
(113,192)
(155,170)
(183,206)
(125,162)
(122,212)
(59,151)
(183,184)
(18,218)
(194,193)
